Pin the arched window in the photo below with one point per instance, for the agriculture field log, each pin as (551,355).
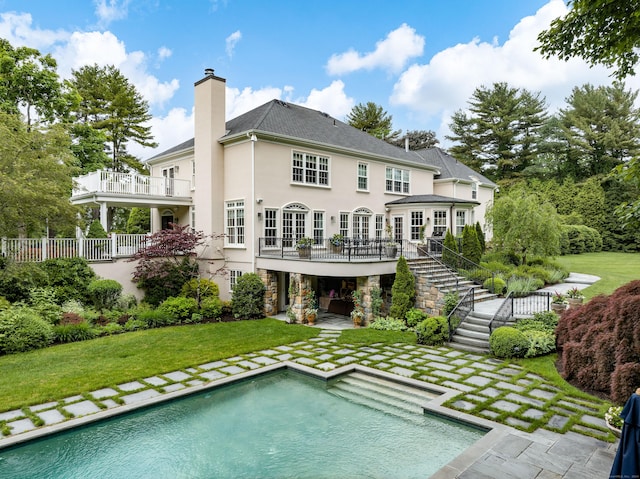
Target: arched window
(361,223)
(294,223)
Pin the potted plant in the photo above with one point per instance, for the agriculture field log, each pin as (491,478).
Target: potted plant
(303,245)
(613,420)
(337,241)
(558,302)
(391,247)
(574,297)
(422,246)
(357,314)
(291,315)
(311,311)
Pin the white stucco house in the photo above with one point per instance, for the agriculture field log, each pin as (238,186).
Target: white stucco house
(281,172)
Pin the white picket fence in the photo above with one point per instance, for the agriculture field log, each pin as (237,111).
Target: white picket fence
(91,249)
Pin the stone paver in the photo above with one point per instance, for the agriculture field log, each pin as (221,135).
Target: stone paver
(82,408)
(177,376)
(485,379)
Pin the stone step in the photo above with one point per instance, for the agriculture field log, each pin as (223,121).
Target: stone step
(472,333)
(387,396)
(470,344)
(468,348)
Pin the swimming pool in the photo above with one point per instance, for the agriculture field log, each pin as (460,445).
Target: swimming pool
(278,425)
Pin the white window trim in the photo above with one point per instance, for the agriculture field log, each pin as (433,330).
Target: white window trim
(226,221)
(234,274)
(367,166)
(317,184)
(402,182)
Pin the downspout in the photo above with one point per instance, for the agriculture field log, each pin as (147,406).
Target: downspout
(255,238)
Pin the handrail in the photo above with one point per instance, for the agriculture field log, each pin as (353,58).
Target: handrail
(460,262)
(461,311)
(504,313)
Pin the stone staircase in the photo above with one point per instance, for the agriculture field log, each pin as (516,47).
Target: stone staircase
(445,279)
(383,395)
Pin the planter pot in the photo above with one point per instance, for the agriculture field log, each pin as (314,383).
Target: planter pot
(304,253)
(616,432)
(422,250)
(391,251)
(558,307)
(575,302)
(337,249)
(311,319)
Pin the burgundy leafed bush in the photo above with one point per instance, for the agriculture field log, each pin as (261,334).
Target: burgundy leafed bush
(599,344)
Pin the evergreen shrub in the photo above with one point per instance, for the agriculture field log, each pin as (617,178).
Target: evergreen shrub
(403,291)
(211,308)
(179,308)
(495,285)
(22,329)
(104,293)
(508,342)
(432,331)
(414,316)
(247,300)
(388,324)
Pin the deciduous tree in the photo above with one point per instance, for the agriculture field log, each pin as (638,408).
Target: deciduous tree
(598,31)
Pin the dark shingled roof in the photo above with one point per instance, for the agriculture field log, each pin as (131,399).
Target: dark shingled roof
(430,199)
(288,120)
(295,121)
(450,167)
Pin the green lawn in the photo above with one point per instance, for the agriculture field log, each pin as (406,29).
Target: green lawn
(69,369)
(614,269)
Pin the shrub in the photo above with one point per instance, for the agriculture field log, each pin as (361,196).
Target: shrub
(200,289)
(578,239)
(69,333)
(4,304)
(111,328)
(22,329)
(179,308)
(43,301)
(508,342)
(403,291)
(481,239)
(548,318)
(18,279)
(135,325)
(471,247)
(247,300)
(388,324)
(432,331)
(73,306)
(538,272)
(414,316)
(540,342)
(477,275)
(165,279)
(156,318)
(451,300)
(495,285)
(211,308)
(520,286)
(69,277)
(104,293)
(126,302)
(449,256)
(497,267)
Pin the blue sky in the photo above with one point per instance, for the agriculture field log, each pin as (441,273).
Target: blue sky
(420,60)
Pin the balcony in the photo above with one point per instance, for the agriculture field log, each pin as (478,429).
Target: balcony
(130,189)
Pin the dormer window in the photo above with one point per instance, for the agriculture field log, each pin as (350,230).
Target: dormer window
(474,190)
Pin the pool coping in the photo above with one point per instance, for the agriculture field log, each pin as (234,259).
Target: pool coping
(493,431)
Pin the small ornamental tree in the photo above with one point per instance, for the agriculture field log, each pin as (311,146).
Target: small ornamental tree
(471,248)
(96,230)
(167,262)
(481,238)
(450,248)
(403,291)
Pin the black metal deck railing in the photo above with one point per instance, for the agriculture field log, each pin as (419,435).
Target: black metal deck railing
(348,249)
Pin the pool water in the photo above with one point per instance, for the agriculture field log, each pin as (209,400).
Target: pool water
(275,426)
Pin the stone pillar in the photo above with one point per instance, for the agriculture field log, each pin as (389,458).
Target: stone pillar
(270,280)
(365,285)
(428,297)
(296,286)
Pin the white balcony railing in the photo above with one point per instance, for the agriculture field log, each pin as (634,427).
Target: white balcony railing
(130,184)
(91,249)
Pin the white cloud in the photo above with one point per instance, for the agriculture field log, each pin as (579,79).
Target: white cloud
(168,131)
(437,89)
(164,52)
(109,10)
(17,29)
(332,100)
(392,53)
(239,102)
(231,42)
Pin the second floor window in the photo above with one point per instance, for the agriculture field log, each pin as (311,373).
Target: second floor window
(235,222)
(396,180)
(363,176)
(310,169)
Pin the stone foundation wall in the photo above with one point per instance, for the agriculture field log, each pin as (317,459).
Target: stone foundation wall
(428,297)
(270,280)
